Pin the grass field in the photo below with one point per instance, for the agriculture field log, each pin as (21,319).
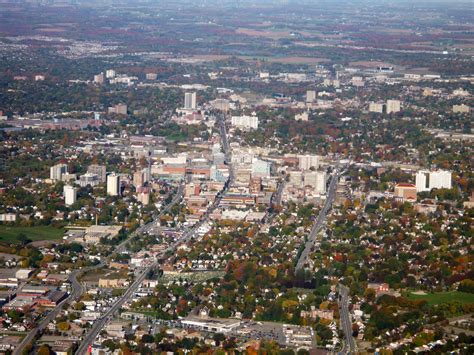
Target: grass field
(444,297)
(10,234)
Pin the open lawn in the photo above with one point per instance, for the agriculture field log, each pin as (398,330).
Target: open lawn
(444,297)
(10,234)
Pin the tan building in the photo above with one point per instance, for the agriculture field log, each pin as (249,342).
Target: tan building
(407,192)
(113,283)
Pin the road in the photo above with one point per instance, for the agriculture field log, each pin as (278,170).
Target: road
(77,289)
(318,224)
(346,324)
(186,236)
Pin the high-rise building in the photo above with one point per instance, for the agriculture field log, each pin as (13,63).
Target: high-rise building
(89,179)
(316,179)
(245,121)
(57,171)
(426,180)
(99,170)
(110,74)
(310,96)
(70,195)
(393,106)
(307,162)
(113,185)
(99,78)
(138,179)
(440,179)
(190,101)
(376,107)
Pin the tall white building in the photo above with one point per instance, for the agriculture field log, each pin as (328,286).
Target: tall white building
(393,106)
(376,107)
(110,74)
(260,168)
(70,195)
(317,180)
(245,121)
(310,96)
(190,101)
(57,171)
(307,162)
(427,180)
(113,185)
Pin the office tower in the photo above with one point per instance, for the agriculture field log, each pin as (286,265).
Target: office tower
(310,96)
(70,195)
(57,171)
(190,101)
(99,170)
(113,185)
(393,106)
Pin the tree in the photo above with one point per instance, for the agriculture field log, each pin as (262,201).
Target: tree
(63,326)
(44,350)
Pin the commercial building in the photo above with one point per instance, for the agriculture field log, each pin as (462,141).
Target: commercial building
(376,107)
(56,171)
(393,106)
(461,108)
(306,162)
(304,116)
(113,185)
(151,76)
(406,192)
(99,170)
(310,96)
(119,109)
(70,195)
(88,180)
(245,121)
(110,74)
(317,180)
(99,78)
(428,180)
(190,101)
(260,168)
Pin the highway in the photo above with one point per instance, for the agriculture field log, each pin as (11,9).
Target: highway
(346,324)
(187,235)
(318,224)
